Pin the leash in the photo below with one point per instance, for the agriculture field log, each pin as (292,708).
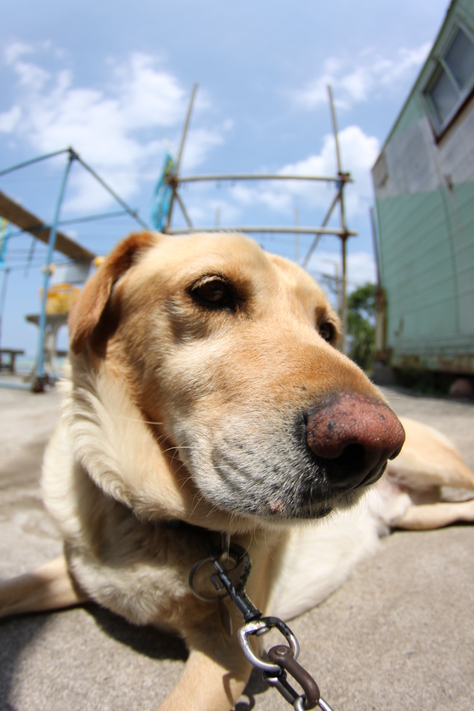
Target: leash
(230,583)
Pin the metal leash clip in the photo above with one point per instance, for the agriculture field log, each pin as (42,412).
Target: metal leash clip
(282,659)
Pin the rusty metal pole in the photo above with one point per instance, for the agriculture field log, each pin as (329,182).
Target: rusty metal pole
(297,237)
(344,234)
(323,225)
(180,155)
(381,303)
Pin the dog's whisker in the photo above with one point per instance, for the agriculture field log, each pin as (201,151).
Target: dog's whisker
(185,480)
(267,548)
(178,470)
(138,419)
(197,499)
(176,449)
(212,511)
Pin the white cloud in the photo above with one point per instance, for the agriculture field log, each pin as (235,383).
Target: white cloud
(199,142)
(10,119)
(210,212)
(15,50)
(148,96)
(118,129)
(362,78)
(273,196)
(358,154)
(29,75)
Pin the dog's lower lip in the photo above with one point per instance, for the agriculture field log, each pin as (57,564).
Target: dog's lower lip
(318,511)
(276,508)
(374,475)
(324,511)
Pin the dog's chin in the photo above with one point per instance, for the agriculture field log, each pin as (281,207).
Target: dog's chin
(281,514)
(300,515)
(310,510)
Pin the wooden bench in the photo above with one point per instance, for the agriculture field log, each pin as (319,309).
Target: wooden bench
(13,353)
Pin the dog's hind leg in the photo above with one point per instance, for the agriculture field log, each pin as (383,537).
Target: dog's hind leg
(429,460)
(428,516)
(49,587)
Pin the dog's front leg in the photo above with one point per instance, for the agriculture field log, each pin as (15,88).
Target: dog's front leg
(215,674)
(49,587)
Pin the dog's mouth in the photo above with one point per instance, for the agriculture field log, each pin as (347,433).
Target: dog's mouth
(312,501)
(319,499)
(274,475)
(302,492)
(278,509)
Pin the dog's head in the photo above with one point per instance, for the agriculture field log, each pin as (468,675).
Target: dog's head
(228,355)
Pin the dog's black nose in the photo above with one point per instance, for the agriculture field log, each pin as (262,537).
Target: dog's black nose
(352,437)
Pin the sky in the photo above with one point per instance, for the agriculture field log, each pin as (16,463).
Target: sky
(113,79)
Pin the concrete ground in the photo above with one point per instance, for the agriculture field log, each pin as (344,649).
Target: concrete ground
(398,636)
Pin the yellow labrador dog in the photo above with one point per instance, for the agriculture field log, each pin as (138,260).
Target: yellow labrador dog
(207,396)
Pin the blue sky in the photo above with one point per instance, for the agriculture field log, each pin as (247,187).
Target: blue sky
(113,80)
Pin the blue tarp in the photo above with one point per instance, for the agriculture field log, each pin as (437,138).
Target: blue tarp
(5,231)
(162,195)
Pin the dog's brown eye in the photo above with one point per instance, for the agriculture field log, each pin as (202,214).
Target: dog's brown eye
(327,331)
(213,292)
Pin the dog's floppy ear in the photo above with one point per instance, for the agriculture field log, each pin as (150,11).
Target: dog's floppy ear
(87,310)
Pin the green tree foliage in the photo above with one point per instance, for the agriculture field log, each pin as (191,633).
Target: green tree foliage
(361,312)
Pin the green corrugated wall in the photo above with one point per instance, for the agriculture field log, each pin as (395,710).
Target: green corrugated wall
(425,212)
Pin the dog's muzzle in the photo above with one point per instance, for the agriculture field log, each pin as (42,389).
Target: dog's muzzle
(305,466)
(352,437)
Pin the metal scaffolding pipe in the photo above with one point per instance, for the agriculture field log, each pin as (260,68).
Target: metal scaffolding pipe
(132,213)
(183,209)
(175,174)
(38,385)
(33,160)
(345,233)
(346,178)
(325,221)
(272,230)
